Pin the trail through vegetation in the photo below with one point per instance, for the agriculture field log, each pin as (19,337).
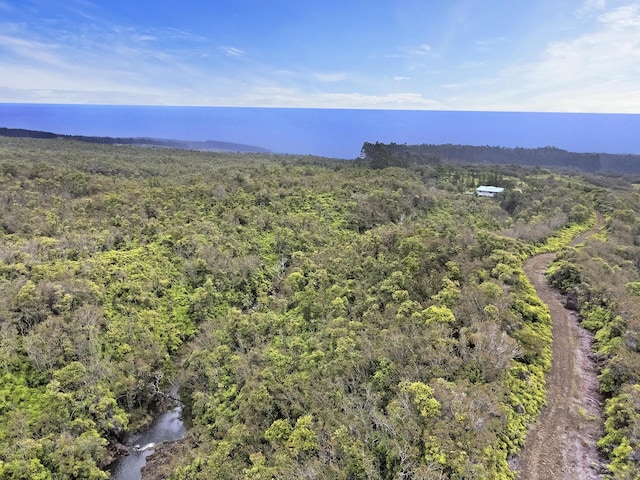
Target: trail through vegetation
(324,319)
(562,444)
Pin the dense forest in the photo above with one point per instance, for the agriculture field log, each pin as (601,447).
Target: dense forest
(322,319)
(380,155)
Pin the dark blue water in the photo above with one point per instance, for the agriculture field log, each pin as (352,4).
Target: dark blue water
(332,132)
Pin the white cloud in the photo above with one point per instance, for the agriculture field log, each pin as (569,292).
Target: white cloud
(115,97)
(597,71)
(489,41)
(411,51)
(590,6)
(233,51)
(182,35)
(422,49)
(104,59)
(70,78)
(29,50)
(400,101)
(275,96)
(485,46)
(623,17)
(145,38)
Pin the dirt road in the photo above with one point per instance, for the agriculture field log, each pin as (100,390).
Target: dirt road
(561,445)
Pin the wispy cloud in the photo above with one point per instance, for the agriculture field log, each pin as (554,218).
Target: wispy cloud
(590,6)
(96,56)
(411,51)
(233,51)
(472,64)
(293,97)
(486,44)
(29,50)
(483,42)
(106,62)
(389,100)
(184,35)
(422,49)
(625,16)
(595,72)
(52,95)
(145,38)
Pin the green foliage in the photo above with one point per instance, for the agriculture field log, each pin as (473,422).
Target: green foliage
(600,280)
(620,441)
(320,317)
(563,237)
(436,314)
(563,275)
(422,398)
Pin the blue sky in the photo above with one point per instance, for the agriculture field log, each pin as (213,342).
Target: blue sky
(498,55)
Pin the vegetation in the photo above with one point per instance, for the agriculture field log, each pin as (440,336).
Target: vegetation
(209,145)
(601,281)
(380,154)
(323,319)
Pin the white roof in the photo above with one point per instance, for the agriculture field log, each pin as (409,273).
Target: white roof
(489,188)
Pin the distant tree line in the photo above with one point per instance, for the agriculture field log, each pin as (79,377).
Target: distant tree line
(209,145)
(380,155)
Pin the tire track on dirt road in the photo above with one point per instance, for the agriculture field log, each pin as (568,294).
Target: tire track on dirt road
(561,444)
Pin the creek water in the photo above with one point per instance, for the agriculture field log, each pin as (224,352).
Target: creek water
(166,427)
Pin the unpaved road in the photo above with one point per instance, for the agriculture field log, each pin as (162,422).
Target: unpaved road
(561,445)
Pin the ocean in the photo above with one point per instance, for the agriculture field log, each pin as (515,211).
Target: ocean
(333,133)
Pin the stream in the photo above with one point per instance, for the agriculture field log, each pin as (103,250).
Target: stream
(166,427)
